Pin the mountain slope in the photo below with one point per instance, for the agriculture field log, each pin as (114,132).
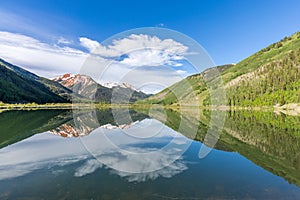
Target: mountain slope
(87,87)
(268,77)
(59,89)
(183,90)
(20,86)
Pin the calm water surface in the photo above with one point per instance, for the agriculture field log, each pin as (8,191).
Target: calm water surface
(54,154)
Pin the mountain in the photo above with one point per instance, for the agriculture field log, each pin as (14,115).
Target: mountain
(122,85)
(266,78)
(81,84)
(269,77)
(185,90)
(20,86)
(61,90)
(109,93)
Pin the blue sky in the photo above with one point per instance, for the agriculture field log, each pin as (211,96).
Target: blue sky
(230,30)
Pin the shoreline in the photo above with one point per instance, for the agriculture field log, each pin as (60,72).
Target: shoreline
(289,109)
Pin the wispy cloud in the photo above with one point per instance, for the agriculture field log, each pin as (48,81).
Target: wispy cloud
(62,40)
(40,57)
(139,50)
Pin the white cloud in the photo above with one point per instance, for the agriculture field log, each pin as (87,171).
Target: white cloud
(141,50)
(42,58)
(151,57)
(91,45)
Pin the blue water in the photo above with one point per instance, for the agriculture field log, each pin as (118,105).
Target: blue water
(146,160)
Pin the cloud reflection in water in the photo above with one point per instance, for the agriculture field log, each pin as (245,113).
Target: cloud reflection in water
(133,158)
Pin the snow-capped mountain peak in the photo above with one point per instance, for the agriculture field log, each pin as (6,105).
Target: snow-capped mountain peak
(122,85)
(68,80)
(88,88)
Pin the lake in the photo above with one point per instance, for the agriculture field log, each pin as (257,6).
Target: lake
(138,154)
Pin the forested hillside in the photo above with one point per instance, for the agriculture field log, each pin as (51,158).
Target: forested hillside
(268,77)
(275,80)
(20,86)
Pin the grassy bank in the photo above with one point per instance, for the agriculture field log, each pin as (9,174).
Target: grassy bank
(32,106)
(289,109)
(20,106)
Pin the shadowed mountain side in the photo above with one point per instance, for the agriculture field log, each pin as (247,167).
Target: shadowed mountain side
(64,92)
(269,140)
(20,86)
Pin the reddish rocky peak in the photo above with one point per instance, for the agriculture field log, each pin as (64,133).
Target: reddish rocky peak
(66,76)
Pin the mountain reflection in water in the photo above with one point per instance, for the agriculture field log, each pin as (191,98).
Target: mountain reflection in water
(141,149)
